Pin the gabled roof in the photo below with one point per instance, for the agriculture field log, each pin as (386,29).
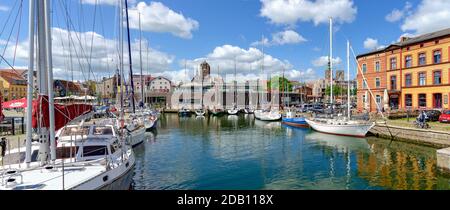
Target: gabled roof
(12,77)
(410,41)
(69,85)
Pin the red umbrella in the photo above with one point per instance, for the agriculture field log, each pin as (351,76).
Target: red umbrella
(20,103)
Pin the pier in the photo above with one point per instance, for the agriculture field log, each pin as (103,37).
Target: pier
(431,138)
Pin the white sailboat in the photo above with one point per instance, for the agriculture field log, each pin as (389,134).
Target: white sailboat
(344,126)
(234,110)
(77,157)
(184,111)
(261,113)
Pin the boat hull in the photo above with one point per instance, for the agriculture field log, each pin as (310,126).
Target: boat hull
(150,125)
(353,130)
(232,112)
(295,122)
(267,116)
(120,178)
(137,137)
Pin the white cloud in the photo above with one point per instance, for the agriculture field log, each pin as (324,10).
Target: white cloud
(247,60)
(156,17)
(298,75)
(394,16)
(397,14)
(281,38)
(430,15)
(323,61)
(249,64)
(4,8)
(287,37)
(104,55)
(319,11)
(371,44)
(105,2)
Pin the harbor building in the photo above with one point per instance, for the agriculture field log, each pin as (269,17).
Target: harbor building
(411,74)
(64,88)
(12,85)
(159,91)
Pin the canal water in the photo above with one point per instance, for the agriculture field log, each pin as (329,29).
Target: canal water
(239,152)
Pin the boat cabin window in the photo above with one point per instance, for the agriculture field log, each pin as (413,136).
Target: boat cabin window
(66,152)
(94,151)
(113,149)
(71,131)
(103,131)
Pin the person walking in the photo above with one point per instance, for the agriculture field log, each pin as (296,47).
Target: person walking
(2,148)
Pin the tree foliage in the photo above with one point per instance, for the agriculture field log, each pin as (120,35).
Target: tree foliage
(280,83)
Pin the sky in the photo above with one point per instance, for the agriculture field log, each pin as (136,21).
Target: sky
(293,34)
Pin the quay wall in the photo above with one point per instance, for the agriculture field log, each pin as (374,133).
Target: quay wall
(431,138)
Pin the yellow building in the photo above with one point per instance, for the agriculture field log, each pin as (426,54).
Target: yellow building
(417,72)
(12,85)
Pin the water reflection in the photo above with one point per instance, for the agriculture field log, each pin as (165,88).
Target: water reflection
(239,152)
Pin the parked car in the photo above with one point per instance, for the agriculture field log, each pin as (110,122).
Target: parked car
(306,108)
(445,117)
(318,108)
(433,115)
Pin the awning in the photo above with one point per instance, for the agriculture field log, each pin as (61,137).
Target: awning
(20,103)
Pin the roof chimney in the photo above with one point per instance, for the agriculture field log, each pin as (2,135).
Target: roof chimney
(404,38)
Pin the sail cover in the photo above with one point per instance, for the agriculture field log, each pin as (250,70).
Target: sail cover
(63,113)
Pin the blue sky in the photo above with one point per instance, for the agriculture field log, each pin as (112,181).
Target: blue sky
(221,30)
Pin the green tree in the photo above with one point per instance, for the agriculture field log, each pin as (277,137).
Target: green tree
(337,90)
(280,83)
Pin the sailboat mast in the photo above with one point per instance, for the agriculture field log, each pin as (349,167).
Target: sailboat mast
(201,73)
(235,83)
(331,63)
(129,57)
(122,67)
(29,128)
(51,105)
(140,59)
(348,80)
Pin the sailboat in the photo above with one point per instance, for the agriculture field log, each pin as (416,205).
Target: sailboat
(290,118)
(345,126)
(149,119)
(135,122)
(268,115)
(234,110)
(261,113)
(201,112)
(215,111)
(184,112)
(84,159)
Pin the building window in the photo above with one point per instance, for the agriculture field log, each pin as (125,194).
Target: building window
(377,66)
(437,77)
(408,61)
(364,68)
(379,99)
(437,56)
(364,84)
(408,100)
(422,100)
(408,80)
(422,79)
(437,100)
(394,82)
(393,63)
(377,82)
(422,59)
